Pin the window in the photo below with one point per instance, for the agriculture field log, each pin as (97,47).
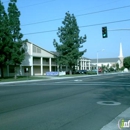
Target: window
(26,70)
(34,48)
(38,50)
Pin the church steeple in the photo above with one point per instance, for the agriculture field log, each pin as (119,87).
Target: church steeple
(121,56)
(121,53)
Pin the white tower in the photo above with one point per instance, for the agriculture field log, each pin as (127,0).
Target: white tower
(121,56)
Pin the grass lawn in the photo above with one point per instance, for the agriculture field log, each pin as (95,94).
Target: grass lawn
(20,78)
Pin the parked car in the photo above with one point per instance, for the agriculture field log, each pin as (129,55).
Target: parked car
(73,72)
(99,70)
(81,72)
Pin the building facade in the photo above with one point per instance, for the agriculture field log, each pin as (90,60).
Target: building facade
(110,62)
(38,61)
(83,64)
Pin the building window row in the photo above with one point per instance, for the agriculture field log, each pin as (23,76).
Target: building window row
(36,49)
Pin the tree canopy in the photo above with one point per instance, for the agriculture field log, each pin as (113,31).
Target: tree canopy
(70,42)
(11,43)
(5,38)
(17,42)
(126,62)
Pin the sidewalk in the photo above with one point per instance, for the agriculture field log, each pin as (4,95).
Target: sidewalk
(115,124)
(48,78)
(56,78)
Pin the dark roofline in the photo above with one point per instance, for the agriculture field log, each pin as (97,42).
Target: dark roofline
(104,60)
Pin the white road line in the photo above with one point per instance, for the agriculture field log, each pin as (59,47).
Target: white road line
(80,83)
(108,83)
(77,84)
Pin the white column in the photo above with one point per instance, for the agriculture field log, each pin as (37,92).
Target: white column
(31,65)
(80,64)
(58,68)
(97,63)
(89,64)
(21,71)
(50,64)
(31,70)
(31,52)
(41,66)
(85,65)
(77,64)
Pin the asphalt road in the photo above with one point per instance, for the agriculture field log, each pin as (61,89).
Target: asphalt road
(66,104)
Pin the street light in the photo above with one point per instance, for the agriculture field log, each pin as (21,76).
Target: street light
(97,59)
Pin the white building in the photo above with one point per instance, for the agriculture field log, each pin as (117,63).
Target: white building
(108,61)
(38,61)
(84,64)
(105,62)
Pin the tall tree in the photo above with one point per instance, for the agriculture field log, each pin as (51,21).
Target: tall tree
(117,66)
(18,52)
(70,40)
(126,62)
(5,38)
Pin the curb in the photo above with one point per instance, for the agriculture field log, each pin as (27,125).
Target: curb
(115,123)
(56,78)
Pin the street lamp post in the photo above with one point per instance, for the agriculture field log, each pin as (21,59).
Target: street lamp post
(97,60)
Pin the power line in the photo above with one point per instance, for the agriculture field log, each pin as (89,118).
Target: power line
(40,32)
(37,4)
(105,23)
(104,10)
(43,21)
(77,15)
(32,4)
(5,1)
(101,5)
(85,26)
(123,29)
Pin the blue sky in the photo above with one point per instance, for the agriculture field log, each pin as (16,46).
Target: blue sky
(45,12)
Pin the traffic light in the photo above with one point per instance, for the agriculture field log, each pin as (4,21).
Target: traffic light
(104,32)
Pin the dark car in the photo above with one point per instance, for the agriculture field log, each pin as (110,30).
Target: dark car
(73,72)
(81,72)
